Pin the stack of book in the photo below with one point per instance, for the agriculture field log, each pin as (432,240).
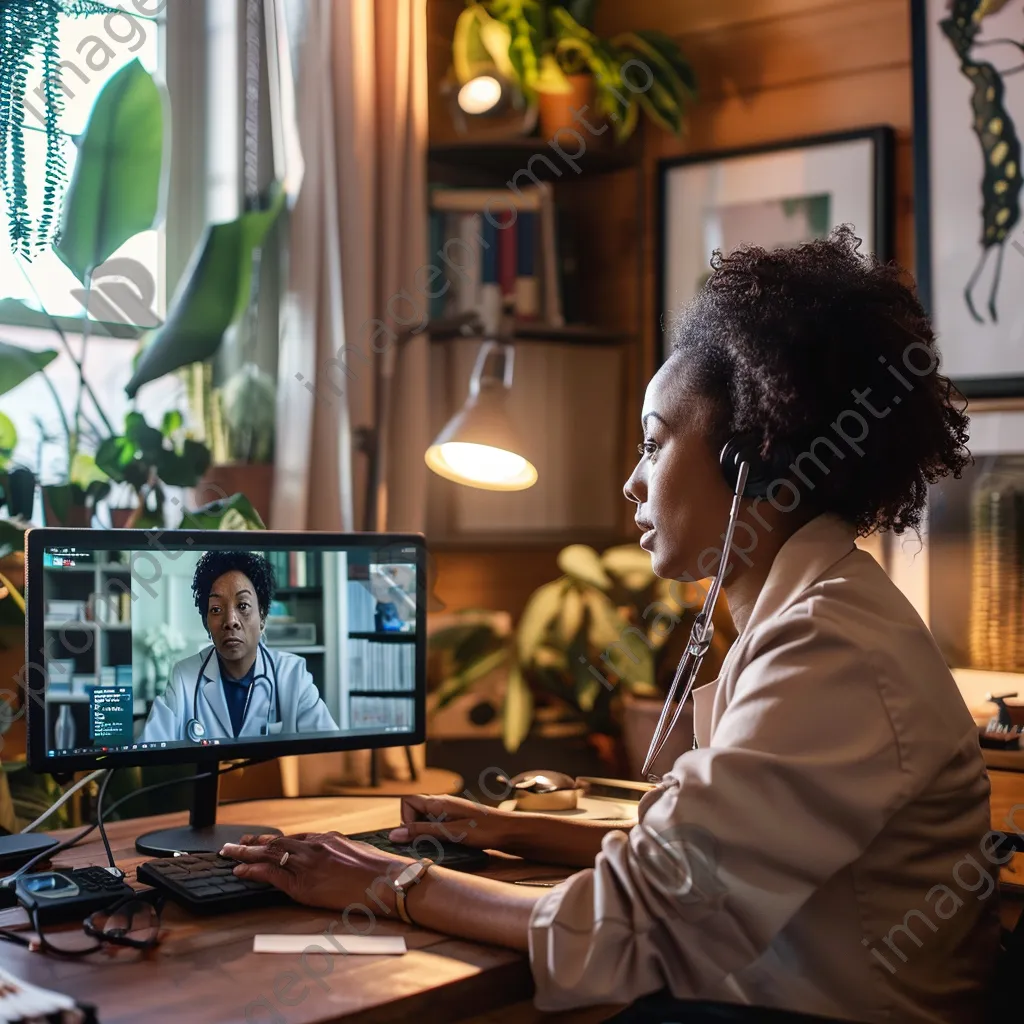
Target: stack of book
(381,713)
(384,668)
(296,568)
(494,247)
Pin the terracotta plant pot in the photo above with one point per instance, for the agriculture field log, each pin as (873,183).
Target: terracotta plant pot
(253,479)
(77,515)
(565,112)
(124,518)
(639,718)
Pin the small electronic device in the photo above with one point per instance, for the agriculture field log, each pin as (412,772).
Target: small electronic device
(54,896)
(205,883)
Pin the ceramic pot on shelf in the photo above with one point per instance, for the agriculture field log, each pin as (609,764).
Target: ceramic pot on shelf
(560,112)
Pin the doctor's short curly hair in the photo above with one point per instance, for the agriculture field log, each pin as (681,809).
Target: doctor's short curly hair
(811,347)
(213,564)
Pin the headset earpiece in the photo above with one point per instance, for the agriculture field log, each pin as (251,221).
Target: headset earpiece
(742,448)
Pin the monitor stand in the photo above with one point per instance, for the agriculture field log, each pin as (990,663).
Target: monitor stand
(202,834)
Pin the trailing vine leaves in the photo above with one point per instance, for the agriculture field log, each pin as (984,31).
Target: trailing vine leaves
(28,28)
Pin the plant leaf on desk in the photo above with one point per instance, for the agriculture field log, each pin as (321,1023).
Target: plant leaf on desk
(115,189)
(630,565)
(538,615)
(234,513)
(518,710)
(583,563)
(455,686)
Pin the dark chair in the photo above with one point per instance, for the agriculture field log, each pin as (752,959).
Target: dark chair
(663,1008)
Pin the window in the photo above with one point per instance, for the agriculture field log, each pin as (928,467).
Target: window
(186,45)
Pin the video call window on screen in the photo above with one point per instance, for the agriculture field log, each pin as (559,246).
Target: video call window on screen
(132,665)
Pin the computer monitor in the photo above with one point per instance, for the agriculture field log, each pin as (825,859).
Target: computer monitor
(194,646)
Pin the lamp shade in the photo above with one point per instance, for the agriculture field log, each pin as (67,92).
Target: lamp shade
(478,446)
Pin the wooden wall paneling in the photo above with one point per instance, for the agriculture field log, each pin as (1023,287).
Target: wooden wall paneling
(677,16)
(815,46)
(495,579)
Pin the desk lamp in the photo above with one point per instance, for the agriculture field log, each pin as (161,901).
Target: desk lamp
(478,447)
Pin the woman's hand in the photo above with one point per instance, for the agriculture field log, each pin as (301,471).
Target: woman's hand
(453,819)
(321,869)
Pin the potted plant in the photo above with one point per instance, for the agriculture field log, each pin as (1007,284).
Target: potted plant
(598,646)
(550,51)
(148,459)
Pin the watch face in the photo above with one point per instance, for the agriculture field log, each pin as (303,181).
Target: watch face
(411,874)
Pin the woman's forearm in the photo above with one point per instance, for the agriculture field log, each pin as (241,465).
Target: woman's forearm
(565,841)
(472,907)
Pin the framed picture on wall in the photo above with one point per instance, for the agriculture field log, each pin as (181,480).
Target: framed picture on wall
(968,118)
(784,193)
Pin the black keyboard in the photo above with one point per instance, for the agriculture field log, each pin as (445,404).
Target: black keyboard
(448,855)
(205,883)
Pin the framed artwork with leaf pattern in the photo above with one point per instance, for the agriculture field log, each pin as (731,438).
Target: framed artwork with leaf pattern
(968,59)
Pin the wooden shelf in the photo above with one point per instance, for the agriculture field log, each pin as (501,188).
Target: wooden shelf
(541,333)
(362,634)
(502,159)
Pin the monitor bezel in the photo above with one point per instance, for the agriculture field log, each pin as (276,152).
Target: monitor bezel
(38,539)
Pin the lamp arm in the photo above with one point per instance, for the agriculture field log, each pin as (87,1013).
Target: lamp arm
(374,440)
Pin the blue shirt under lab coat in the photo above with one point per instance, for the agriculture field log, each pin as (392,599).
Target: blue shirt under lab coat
(299,704)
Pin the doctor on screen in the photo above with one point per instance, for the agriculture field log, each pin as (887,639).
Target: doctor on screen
(237,688)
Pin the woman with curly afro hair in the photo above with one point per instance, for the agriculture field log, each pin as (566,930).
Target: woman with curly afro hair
(823,849)
(238,687)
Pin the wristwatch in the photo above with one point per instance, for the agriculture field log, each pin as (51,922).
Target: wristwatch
(408,878)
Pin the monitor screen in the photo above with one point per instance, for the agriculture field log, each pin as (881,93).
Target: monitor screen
(151,646)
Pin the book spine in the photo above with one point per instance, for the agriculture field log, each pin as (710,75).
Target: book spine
(527,304)
(469,262)
(507,261)
(437,289)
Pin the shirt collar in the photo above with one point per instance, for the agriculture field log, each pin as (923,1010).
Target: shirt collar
(803,558)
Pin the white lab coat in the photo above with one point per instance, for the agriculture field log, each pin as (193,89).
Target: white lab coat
(823,848)
(301,708)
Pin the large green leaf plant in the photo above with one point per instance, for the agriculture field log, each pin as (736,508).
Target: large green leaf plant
(536,44)
(606,627)
(116,192)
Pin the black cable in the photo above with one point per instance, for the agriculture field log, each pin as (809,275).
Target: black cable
(75,840)
(99,815)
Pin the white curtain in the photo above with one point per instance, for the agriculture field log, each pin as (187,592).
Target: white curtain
(358,236)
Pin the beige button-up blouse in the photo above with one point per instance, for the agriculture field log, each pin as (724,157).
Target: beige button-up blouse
(825,847)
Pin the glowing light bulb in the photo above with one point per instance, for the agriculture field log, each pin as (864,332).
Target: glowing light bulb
(480,94)
(481,465)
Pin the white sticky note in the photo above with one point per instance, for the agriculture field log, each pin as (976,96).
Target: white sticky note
(342,945)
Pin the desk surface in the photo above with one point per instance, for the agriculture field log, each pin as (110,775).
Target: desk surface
(205,970)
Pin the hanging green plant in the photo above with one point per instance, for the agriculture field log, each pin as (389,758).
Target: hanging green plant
(28,28)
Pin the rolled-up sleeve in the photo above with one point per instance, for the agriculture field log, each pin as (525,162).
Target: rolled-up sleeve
(804,770)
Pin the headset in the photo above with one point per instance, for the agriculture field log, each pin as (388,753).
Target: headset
(749,475)
(761,471)
(196,731)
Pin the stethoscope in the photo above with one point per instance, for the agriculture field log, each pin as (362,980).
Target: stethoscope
(195,730)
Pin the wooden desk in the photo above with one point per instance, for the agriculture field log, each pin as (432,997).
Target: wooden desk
(205,970)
